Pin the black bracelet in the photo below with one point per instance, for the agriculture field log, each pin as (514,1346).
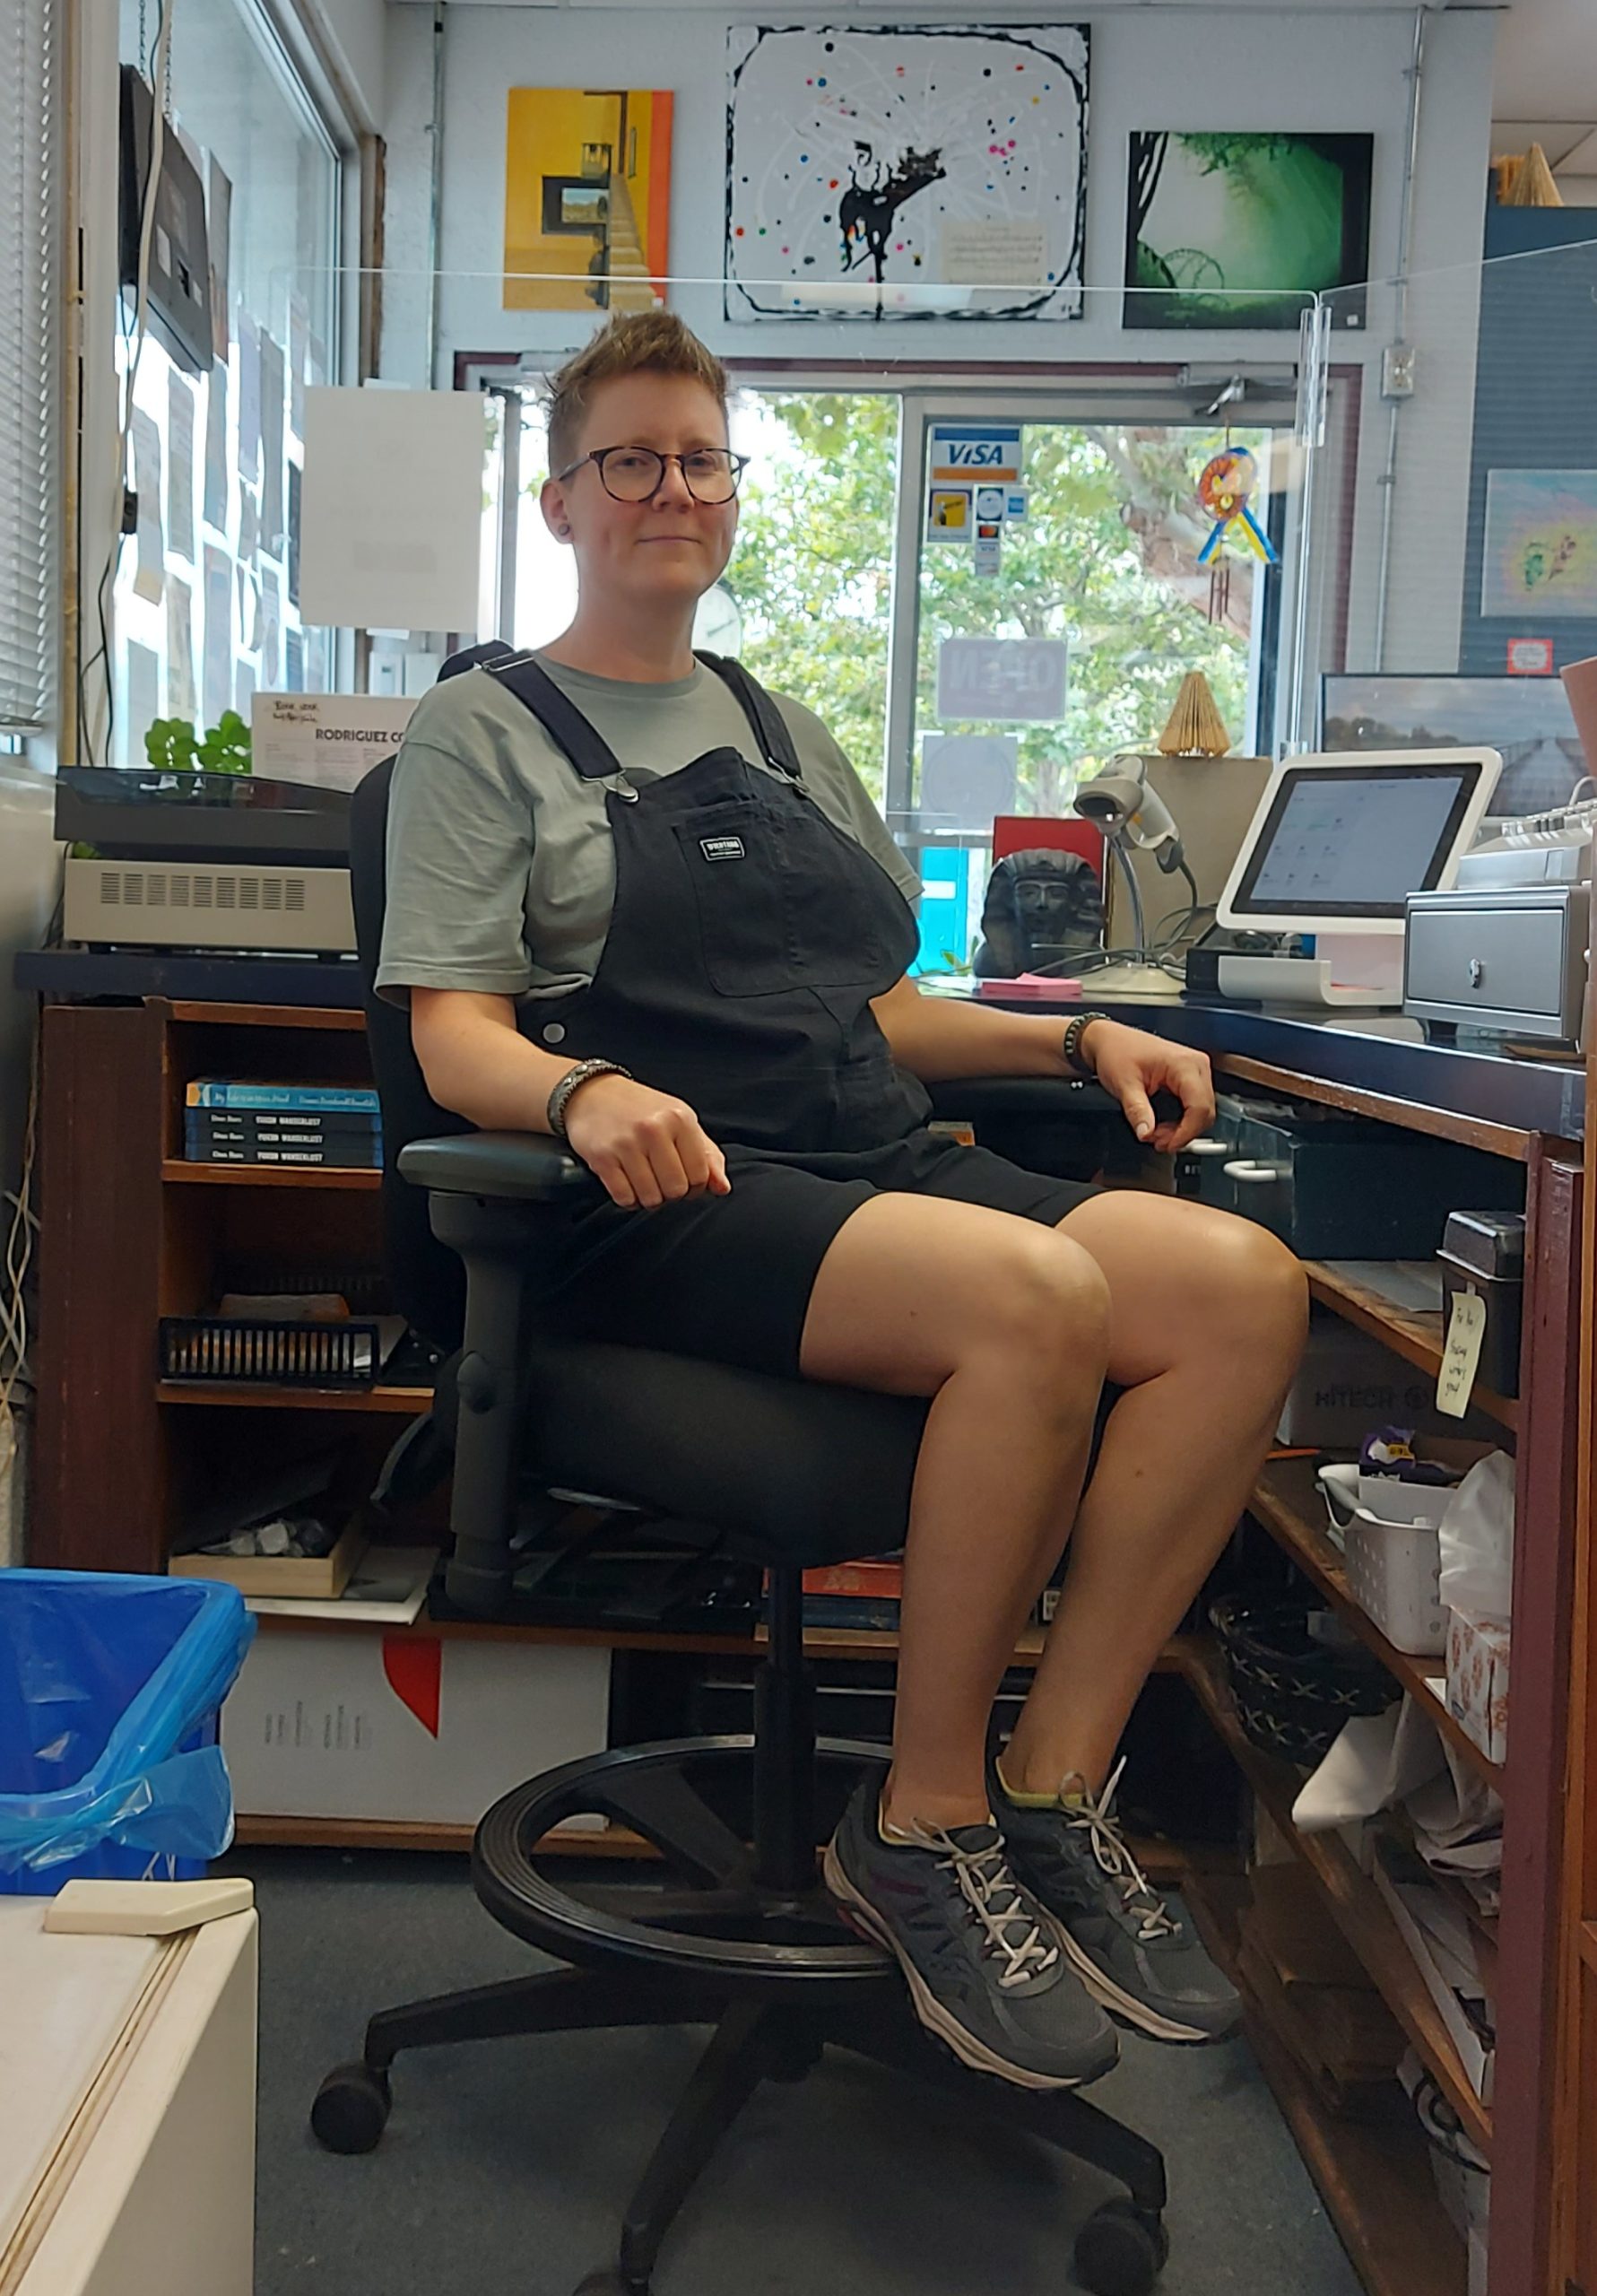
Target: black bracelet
(572,1082)
(1075,1058)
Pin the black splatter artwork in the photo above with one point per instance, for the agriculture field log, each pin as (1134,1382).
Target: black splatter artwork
(933,172)
(868,208)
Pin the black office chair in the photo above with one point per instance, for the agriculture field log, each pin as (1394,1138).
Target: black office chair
(736,1930)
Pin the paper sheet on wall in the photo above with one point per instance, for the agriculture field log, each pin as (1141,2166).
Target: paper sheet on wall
(291,541)
(376,554)
(271,627)
(249,611)
(218,677)
(298,353)
(243,689)
(249,527)
(180,467)
(141,706)
(293,661)
(149,574)
(216,449)
(181,699)
(218,211)
(994,254)
(273,387)
(249,398)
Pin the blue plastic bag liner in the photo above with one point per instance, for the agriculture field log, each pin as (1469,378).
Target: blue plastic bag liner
(109,1686)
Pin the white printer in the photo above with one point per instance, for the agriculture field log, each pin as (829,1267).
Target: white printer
(1506,947)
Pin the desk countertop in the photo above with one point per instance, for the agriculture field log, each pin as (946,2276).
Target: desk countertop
(1350,1051)
(1386,1055)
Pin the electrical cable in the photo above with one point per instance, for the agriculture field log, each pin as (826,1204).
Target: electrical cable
(160,83)
(19,1252)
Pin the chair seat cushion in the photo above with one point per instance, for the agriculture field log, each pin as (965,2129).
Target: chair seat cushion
(792,1472)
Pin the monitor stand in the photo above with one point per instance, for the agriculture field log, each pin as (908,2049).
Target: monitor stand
(1364,970)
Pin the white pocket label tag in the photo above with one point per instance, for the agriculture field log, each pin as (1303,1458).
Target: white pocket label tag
(1461,1353)
(721,848)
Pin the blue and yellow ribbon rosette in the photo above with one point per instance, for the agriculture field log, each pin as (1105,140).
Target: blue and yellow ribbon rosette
(1224,485)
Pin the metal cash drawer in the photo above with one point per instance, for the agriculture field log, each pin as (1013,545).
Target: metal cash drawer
(1513,961)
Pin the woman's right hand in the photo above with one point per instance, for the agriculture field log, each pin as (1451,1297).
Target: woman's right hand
(646,1147)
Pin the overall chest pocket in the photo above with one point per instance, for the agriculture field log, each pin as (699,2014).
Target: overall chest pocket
(784,902)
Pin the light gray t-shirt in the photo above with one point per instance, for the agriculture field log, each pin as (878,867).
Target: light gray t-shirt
(501,866)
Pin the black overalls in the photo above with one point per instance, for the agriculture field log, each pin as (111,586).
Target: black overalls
(748,937)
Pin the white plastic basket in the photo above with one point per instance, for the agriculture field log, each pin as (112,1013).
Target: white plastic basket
(1393,1575)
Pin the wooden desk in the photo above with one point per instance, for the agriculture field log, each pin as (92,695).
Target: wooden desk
(130,1233)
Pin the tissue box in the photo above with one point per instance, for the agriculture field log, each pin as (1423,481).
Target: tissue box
(1478,1680)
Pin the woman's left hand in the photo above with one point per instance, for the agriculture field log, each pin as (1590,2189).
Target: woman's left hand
(1134,1066)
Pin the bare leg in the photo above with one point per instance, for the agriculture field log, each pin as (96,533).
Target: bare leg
(1206,1324)
(1006,1325)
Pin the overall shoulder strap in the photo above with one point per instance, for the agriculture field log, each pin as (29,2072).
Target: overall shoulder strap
(558,715)
(776,742)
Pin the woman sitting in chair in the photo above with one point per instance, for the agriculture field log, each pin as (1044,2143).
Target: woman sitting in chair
(638,903)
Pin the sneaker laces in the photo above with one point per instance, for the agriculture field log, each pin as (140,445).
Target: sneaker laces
(995,1898)
(1098,1820)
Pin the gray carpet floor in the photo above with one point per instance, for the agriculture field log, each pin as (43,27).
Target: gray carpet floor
(506,2164)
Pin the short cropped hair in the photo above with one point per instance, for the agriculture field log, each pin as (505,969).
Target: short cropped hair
(640,343)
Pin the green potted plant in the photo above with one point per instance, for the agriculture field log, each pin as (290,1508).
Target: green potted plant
(172,745)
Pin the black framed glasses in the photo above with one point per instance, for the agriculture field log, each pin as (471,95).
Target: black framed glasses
(635,473)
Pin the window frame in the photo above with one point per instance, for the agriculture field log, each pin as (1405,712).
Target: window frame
(925,394)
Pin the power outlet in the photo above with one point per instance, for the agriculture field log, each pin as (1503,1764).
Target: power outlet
(1397,370)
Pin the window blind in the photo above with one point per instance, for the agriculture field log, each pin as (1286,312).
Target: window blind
(30,190)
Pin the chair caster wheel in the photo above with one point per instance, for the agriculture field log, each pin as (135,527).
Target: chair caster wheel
(1121,2250)
(611,2284)
(351,2108)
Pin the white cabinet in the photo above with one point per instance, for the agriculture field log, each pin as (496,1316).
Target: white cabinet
(127,2080)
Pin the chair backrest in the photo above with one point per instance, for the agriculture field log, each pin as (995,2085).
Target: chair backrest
(426,1279)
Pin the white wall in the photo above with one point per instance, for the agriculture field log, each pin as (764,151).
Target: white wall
(1327,67)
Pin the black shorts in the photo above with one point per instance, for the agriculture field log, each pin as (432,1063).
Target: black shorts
(730,1276)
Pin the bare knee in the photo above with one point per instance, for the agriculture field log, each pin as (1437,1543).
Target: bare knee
(1044,1307)
(1260,1290)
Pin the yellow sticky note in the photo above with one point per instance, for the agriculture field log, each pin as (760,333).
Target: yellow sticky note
(1461,1355)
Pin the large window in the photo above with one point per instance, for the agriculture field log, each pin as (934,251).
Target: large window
(838,594)
(206,599)
(30,298)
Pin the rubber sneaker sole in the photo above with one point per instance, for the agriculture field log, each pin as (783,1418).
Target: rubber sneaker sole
(862,1917)
(1117,2003)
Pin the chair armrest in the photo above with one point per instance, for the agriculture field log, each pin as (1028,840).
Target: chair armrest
(976,1097)
(519,1164)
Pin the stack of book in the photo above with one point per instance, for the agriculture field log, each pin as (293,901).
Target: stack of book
(227,1122)
(857,1594)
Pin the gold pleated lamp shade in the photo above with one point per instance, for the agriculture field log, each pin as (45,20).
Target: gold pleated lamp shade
(1195,728)
(1524,180)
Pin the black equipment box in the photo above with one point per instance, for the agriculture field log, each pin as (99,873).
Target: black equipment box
(1336,1187)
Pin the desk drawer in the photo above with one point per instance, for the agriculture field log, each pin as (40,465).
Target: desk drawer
(1516,962)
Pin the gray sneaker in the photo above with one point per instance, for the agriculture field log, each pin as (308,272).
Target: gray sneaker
(1130,1952)
(984,1967)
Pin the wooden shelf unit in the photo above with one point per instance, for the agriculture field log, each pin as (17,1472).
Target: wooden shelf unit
(1375,2178)
(190,1172)
(1284,1501)
(244,1394)
(1359,1910)
(1415,1335)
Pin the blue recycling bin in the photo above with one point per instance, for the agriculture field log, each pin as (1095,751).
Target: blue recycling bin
(110,1698)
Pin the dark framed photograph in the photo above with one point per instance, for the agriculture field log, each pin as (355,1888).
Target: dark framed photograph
(1528,719)
(1244,230)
